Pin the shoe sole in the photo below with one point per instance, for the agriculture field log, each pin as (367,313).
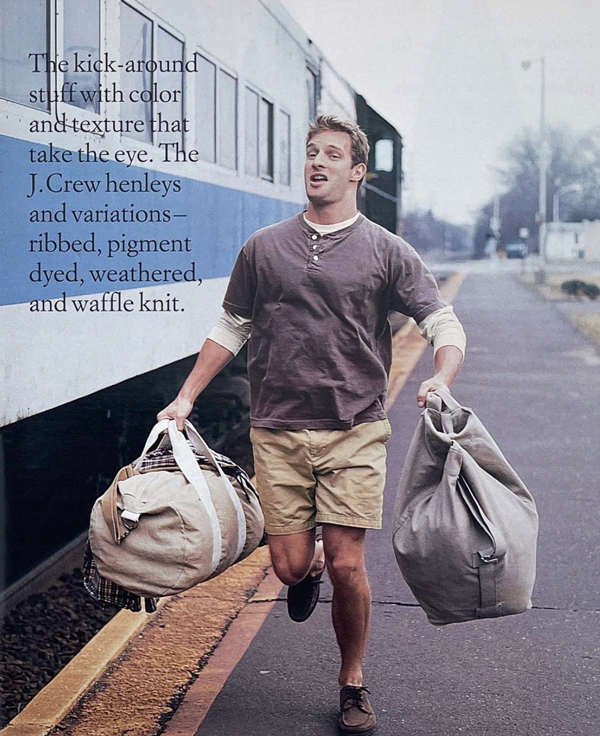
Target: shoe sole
(352,732)
(315,585)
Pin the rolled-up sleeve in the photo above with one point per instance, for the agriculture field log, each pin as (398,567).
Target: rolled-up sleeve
(231,331)
(441,328)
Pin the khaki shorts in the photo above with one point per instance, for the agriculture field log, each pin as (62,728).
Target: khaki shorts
(321,476)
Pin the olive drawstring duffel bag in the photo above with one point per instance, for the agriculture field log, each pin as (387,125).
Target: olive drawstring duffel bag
(465,525)
(158,532)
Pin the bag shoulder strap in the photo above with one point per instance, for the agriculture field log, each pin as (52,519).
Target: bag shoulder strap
(108,504)
(203,448)
(184,457)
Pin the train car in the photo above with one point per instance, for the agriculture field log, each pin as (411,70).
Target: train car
(140,144)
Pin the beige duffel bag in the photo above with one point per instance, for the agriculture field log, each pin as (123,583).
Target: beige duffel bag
(465,525)
(160,533)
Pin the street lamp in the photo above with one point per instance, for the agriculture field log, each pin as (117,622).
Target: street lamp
(542,156)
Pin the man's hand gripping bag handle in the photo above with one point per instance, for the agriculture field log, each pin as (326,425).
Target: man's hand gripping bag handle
(437,400)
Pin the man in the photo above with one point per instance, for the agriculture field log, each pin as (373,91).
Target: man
(313,294)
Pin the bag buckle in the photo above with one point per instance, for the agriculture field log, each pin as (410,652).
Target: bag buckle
(488,558)
(130,520)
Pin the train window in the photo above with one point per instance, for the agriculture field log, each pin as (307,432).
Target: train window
(285,148)
(169,113)
(259,136)
(206,88)
(136,43)
(23,31)
(227,110)
(265,139)
(311,93)
(384,155)
(251,158)
(81,36)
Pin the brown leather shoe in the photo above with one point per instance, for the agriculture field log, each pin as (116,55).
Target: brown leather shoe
(302,598)
(357,715)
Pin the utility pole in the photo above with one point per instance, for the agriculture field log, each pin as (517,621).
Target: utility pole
(543,163)
(543,159)
(495,227)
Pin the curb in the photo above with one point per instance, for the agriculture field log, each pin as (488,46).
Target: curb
(59,696)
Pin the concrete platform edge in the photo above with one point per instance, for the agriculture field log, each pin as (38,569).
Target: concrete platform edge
(59,696)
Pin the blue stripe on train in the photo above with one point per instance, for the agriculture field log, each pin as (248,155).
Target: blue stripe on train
(217,222)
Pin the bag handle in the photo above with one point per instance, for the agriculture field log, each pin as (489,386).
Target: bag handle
(184,457)
(155,433)
(442,395)
(437,400)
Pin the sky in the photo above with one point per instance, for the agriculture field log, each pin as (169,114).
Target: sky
(448,75)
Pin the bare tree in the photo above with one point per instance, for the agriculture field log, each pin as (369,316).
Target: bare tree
(573,183)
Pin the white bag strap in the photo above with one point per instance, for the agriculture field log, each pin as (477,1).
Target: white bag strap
(203,448)
(183,451)
(184,457)
(433,401)
(155,433)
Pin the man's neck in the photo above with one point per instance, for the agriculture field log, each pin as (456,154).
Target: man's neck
(331,214)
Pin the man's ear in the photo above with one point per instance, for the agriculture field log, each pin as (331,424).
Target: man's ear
(358,172)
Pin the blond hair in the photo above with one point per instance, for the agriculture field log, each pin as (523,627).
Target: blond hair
(358,138)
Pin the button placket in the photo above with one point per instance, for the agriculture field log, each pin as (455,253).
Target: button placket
(316,248)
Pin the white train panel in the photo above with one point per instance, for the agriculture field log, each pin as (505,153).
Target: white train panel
(49,358)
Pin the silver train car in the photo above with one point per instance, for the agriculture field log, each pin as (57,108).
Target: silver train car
(141,143)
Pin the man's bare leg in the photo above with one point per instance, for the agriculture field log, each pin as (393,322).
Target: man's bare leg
(294,556)
(351,601)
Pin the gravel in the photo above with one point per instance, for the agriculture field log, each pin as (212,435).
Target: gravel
(41,635)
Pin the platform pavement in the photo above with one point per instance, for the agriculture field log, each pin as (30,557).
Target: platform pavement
(528,379)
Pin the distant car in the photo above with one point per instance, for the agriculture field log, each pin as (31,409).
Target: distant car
(516,250)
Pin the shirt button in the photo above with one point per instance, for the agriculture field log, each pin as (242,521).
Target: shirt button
(314,237)
(315,258)
(315,247)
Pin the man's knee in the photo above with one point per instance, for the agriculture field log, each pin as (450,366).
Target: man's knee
(344,554)
(290,572)
(346,570)
(292,555)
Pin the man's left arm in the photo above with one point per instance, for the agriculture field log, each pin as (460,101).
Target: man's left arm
(443,330)
(448,361)
(414,292)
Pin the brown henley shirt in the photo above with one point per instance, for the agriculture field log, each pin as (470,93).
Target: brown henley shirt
(320,349)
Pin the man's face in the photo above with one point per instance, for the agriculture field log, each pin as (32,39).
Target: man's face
(328,171)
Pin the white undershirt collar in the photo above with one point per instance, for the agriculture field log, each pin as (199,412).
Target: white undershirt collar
(328,229)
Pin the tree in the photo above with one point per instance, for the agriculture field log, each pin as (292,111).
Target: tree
(573,174)
(427,233)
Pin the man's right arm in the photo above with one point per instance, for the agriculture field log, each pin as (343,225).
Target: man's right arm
(224,341)
(210,361)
